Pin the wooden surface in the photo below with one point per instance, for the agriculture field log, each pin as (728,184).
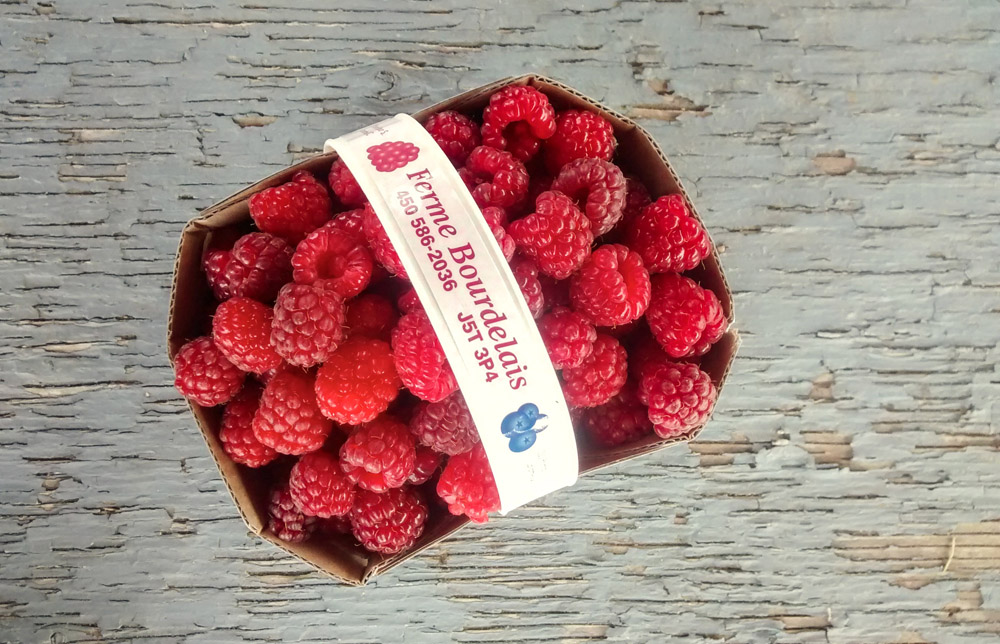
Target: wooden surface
(846,157)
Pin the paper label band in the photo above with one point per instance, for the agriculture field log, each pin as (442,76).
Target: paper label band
(473,302)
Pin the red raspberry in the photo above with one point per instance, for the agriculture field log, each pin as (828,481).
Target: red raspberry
(333,258)
(599,377)
(420,360)
(579,135)
(379,455)
(371,315)
(526,273)
(308,323)
(556,292)
(351,222)
(345,186)
(204,375)
(241,329)
(685,318)
(381,246)
(291,210)
(667,237)
(266,377)
(426,464)
(612,286)
(256,267)
(236,435)
(468,487)
(286,520)
(445,426)
(568,336)
(557,235)
(214,263)
(496,219)
(456,134)
(645,353)
(319,487)
(409,301)
(495,177)
(289,420)
(597,187)
(390,522)
(680,397)
(357,382)
(636,198)
(503,118)
(392,155)
(620,420)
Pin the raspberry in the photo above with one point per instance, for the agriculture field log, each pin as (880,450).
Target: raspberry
(420,360)
(357,382)
(288,419)
(636,198)
(334,259)
(445,426)
(667,237)
(680,397)
(371,315)
(392,155)
(644,353)
(620,420)
(526,273)
(568,336)
(685,318)
(319,487)
(495,177)
(286,520)
(241,329)
(351,222)
(390,522)
(516,119)
(557,235)
(579,135)
(236,435)
(379,455)
(468,487)
(597,187)
(409,301)
(456,134)
(308,323)
(599,377)
(293,209)
(204,375)
(424,466)
(381,246)
(345,186)
(256,267)
(496,219)
(612,286)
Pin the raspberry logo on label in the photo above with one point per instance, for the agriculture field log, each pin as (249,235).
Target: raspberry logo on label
(392,155)
(519,427)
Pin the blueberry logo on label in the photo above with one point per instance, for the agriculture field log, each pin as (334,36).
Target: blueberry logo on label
(519,427)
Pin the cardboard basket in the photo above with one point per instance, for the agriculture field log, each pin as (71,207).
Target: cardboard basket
(190,311)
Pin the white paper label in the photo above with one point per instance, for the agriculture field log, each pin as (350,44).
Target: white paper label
(473,302)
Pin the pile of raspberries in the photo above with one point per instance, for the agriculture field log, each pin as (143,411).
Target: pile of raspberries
(333,378)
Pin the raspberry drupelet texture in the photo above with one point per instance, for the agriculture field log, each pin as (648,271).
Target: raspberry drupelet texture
(333,258)
(204,375)
(319,487)
(256,266)
(357,382)
(371,315)
(288,419)
(420,360)
(241,329)
(379,242)
(345,186)
(292,210)
(496,219)
(579,135)
(599,377)
(612,286)
(568,336)
(308,323)
(557,235)
(350,222)
(286,520)
(495,177)
(620,420)
(389,522)
(457,134)
(667,237)
(468,487)
(518,119)
(597,187)
(526,273)
(236,434)
(379,455)
(680,397)
(685,318)
(409,301)
(445,426)
(636,198)
(425,465)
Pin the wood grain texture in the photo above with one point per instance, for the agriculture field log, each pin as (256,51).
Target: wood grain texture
(845,156)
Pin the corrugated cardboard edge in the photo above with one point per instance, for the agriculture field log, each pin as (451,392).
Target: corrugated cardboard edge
(188,289)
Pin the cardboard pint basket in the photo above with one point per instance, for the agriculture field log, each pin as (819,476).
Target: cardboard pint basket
(191,307)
